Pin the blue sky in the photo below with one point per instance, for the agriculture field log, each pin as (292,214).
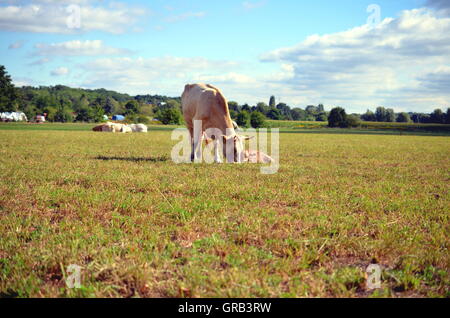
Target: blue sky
(303,52)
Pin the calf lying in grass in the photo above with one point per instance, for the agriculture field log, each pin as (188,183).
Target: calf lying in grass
(254,156)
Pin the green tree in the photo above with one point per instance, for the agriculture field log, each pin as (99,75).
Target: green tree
(243,119)
(110,106)
(172,103)
(351,121)
(274,114)
(80,103)
(437,116)
(63,115)
(272,102)
(257,119)
(51,113)
(30,111)
(321,108)
(403,118)
(233,114)
(8,93)
(369,116)
(312,110)
(147,110)
(298,114)
(246,107)
(390,115)
(170,116)
(90,114)
(447,116)
(337,117)
(132,107)
(285,111)
(322,116)
(96,114)
(262,108)
(233,106)
(381,114)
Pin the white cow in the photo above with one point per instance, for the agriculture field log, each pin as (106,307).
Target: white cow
(139,128)
(126,129)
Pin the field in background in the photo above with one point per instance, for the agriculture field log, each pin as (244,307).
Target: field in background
(142,226)
(285,126)
(366,127)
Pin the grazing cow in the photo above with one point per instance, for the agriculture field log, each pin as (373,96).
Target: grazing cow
(206,103)
(139,128)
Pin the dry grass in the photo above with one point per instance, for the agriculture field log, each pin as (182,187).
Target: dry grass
(142,226)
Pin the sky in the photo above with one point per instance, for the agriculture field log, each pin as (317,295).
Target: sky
(352,53)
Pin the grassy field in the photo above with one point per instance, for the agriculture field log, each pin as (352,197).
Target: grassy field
(142,226)
(365,127)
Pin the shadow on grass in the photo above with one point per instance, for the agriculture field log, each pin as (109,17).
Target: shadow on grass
(134,159)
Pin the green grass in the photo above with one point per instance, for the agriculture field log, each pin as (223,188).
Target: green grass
(365,128)
(143,226)
(284,126)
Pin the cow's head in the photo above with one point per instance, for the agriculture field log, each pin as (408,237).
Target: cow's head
(238,148)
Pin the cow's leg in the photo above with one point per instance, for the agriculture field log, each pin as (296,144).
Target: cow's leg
(197,147)
(198,138)
(191,135)
(217,147)
(192,150)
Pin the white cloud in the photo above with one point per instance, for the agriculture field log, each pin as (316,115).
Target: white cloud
(41,61)
(363,67)
(15,45)
(161,75)
(77,48)
(55,17)
(227,78)
(437,80)
(60,71)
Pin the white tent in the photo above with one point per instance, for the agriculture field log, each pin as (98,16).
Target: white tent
(13,116)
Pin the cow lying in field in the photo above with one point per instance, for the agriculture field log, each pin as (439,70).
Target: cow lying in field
(139,128)
(206,113)
(111,127)
(120,128)
(98,128)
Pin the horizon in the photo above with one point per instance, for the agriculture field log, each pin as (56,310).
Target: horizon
(327,109)
(354,54)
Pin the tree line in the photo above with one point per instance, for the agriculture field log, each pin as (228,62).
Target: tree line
(65,104)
